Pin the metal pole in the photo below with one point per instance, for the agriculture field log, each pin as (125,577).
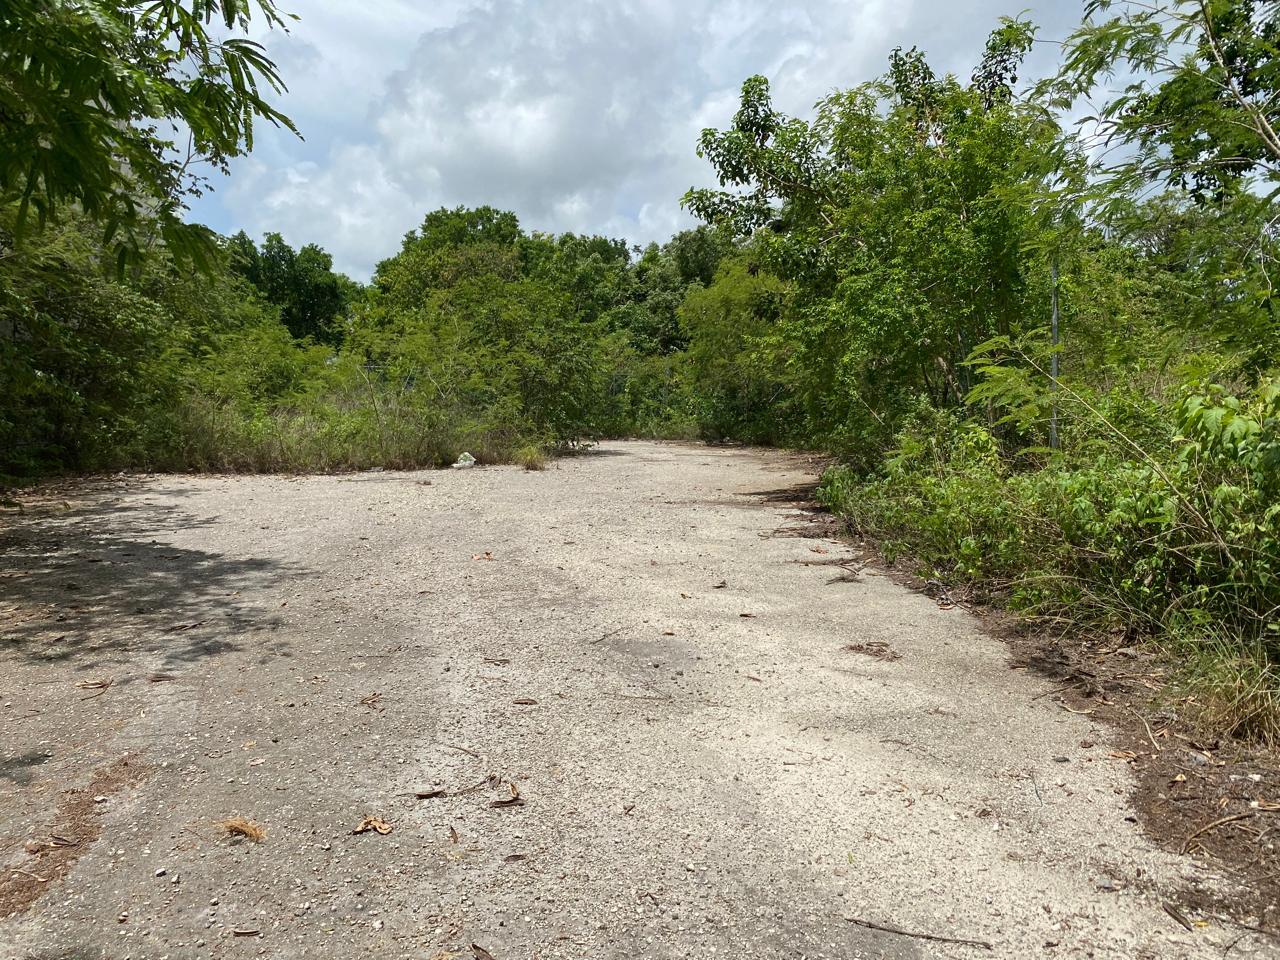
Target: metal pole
(1053,359)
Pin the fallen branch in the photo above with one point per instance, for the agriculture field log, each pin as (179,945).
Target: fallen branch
(919,936)
(1078,713)
(1179,917)
(102,686)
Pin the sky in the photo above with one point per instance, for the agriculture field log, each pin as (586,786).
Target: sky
(578,115)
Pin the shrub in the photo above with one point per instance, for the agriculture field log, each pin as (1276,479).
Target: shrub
(1181,544)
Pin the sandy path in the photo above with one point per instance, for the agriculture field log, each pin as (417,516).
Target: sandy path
(696,782)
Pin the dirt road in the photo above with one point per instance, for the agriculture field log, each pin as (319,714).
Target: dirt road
(632,638)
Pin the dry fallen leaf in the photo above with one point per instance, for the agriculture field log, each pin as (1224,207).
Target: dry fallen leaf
(487,555)
(525,701)
(746,614)
(514,857)
(480,952)
(430,794)
(515,800)
(874,648)
(453,835)
(376,824)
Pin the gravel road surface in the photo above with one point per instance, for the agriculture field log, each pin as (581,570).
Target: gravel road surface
(647,720)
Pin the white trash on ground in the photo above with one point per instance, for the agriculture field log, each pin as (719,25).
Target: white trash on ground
(465,461)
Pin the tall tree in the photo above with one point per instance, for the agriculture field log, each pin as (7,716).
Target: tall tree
(1198,108)
(310,296)
(905,217)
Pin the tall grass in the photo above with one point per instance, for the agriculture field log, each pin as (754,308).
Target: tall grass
(327,433)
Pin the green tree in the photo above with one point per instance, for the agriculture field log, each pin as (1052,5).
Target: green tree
(112,107)
(737,361)
(1198,109)
(312,298)
(906,217)
(494,325)
(1197,114)
(463,226)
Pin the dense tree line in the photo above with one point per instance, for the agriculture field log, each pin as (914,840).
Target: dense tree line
(1045,367)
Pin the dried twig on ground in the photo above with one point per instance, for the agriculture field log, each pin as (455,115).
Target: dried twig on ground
(919,936)
(874,648)
(102,686)
(453,746)
(1150,735)
(1209,827)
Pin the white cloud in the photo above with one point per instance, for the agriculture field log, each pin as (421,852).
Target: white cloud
(577,115)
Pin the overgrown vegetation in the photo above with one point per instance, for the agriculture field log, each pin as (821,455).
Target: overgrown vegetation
(1047,369)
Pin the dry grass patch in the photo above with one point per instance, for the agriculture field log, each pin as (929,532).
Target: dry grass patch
(243,827)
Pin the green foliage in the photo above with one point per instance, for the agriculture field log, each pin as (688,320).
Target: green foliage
(85,363)
(735,355)
(445,229)
(93,96)
(312,299)
(905,216)
(496,322)
(920,231)
(1198,110)
(1180,541)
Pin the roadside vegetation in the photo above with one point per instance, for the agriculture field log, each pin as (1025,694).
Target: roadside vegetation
(1043,353)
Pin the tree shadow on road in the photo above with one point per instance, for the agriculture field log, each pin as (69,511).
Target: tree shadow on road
(80,585)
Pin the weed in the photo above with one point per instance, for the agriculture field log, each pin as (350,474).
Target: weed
(531,457)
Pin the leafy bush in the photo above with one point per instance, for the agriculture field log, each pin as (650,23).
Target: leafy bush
(1181,543)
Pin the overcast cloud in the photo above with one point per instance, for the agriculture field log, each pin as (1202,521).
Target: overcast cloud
(577,115)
